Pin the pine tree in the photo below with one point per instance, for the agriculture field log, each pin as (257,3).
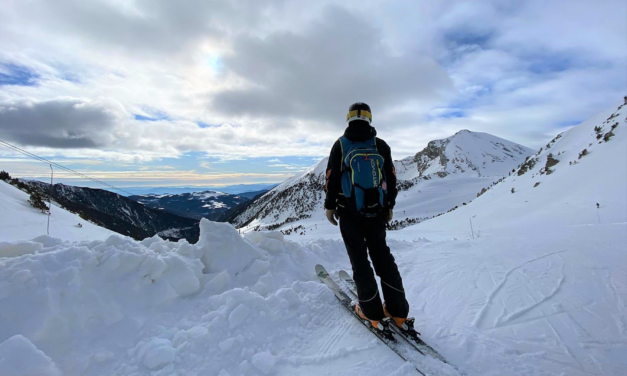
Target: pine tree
(5,176)
(37,202)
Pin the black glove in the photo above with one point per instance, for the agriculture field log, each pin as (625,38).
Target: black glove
(332,216)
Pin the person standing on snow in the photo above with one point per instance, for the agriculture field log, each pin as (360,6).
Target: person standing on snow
(361,192)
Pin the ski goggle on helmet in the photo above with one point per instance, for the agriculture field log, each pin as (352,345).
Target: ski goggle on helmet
(359,111)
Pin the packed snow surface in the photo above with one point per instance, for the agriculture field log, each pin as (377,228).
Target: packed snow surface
(537,286)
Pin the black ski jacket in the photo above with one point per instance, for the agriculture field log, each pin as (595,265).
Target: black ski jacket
(357,131)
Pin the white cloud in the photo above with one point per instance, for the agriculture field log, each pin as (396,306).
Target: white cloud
(274,80)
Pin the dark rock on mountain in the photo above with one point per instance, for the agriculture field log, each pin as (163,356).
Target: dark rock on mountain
(196,205)
(118,213)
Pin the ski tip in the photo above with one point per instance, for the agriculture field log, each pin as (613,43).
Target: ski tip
(320,270)
(344,275)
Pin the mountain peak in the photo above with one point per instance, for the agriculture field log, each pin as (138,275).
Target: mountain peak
(464,153)
(463,131)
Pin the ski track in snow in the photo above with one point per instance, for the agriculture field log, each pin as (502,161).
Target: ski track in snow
(503,318)
(532,303)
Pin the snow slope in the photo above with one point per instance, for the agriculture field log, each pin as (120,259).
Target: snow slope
(565,196)
(538,285)
(20,221)
(520,302)
(293,200)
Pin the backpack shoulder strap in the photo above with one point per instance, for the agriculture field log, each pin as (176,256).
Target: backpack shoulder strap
(345,144)
(373,142)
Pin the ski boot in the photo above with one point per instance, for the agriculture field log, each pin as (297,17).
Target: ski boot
(382,326)
(406,325)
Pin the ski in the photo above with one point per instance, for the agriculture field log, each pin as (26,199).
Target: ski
(388,338)
(410,335)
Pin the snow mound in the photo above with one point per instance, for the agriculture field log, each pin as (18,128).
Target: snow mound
(12,249)
(157,353)
(118,306)
(19,357)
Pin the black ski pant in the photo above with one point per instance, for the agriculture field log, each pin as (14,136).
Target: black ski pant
(363,236)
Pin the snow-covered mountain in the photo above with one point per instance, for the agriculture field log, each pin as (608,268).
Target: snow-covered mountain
(446,174)
(118,213)
(238,189)
(212,205)
(465,153)
(562,182)
(293,200)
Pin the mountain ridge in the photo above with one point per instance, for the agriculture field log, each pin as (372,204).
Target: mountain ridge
(301,196)
(118,213)
(209,204)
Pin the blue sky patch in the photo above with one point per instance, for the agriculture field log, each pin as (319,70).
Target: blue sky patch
(454,113)
(70,76)
(447,113)
(152,115)
(215,63)
(202,124)
(144,118)
(553,63)
(19,75)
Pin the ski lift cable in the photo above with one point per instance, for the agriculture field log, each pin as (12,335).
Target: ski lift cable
(67,169)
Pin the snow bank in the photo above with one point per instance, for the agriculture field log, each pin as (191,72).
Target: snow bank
(12,249)
(19,357)
(118,306)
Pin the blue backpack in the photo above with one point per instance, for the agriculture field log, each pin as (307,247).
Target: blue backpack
(363,178)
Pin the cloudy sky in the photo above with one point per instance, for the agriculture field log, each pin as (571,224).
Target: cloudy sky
(213,92)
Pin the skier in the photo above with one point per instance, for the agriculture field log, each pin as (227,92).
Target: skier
(361,192)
